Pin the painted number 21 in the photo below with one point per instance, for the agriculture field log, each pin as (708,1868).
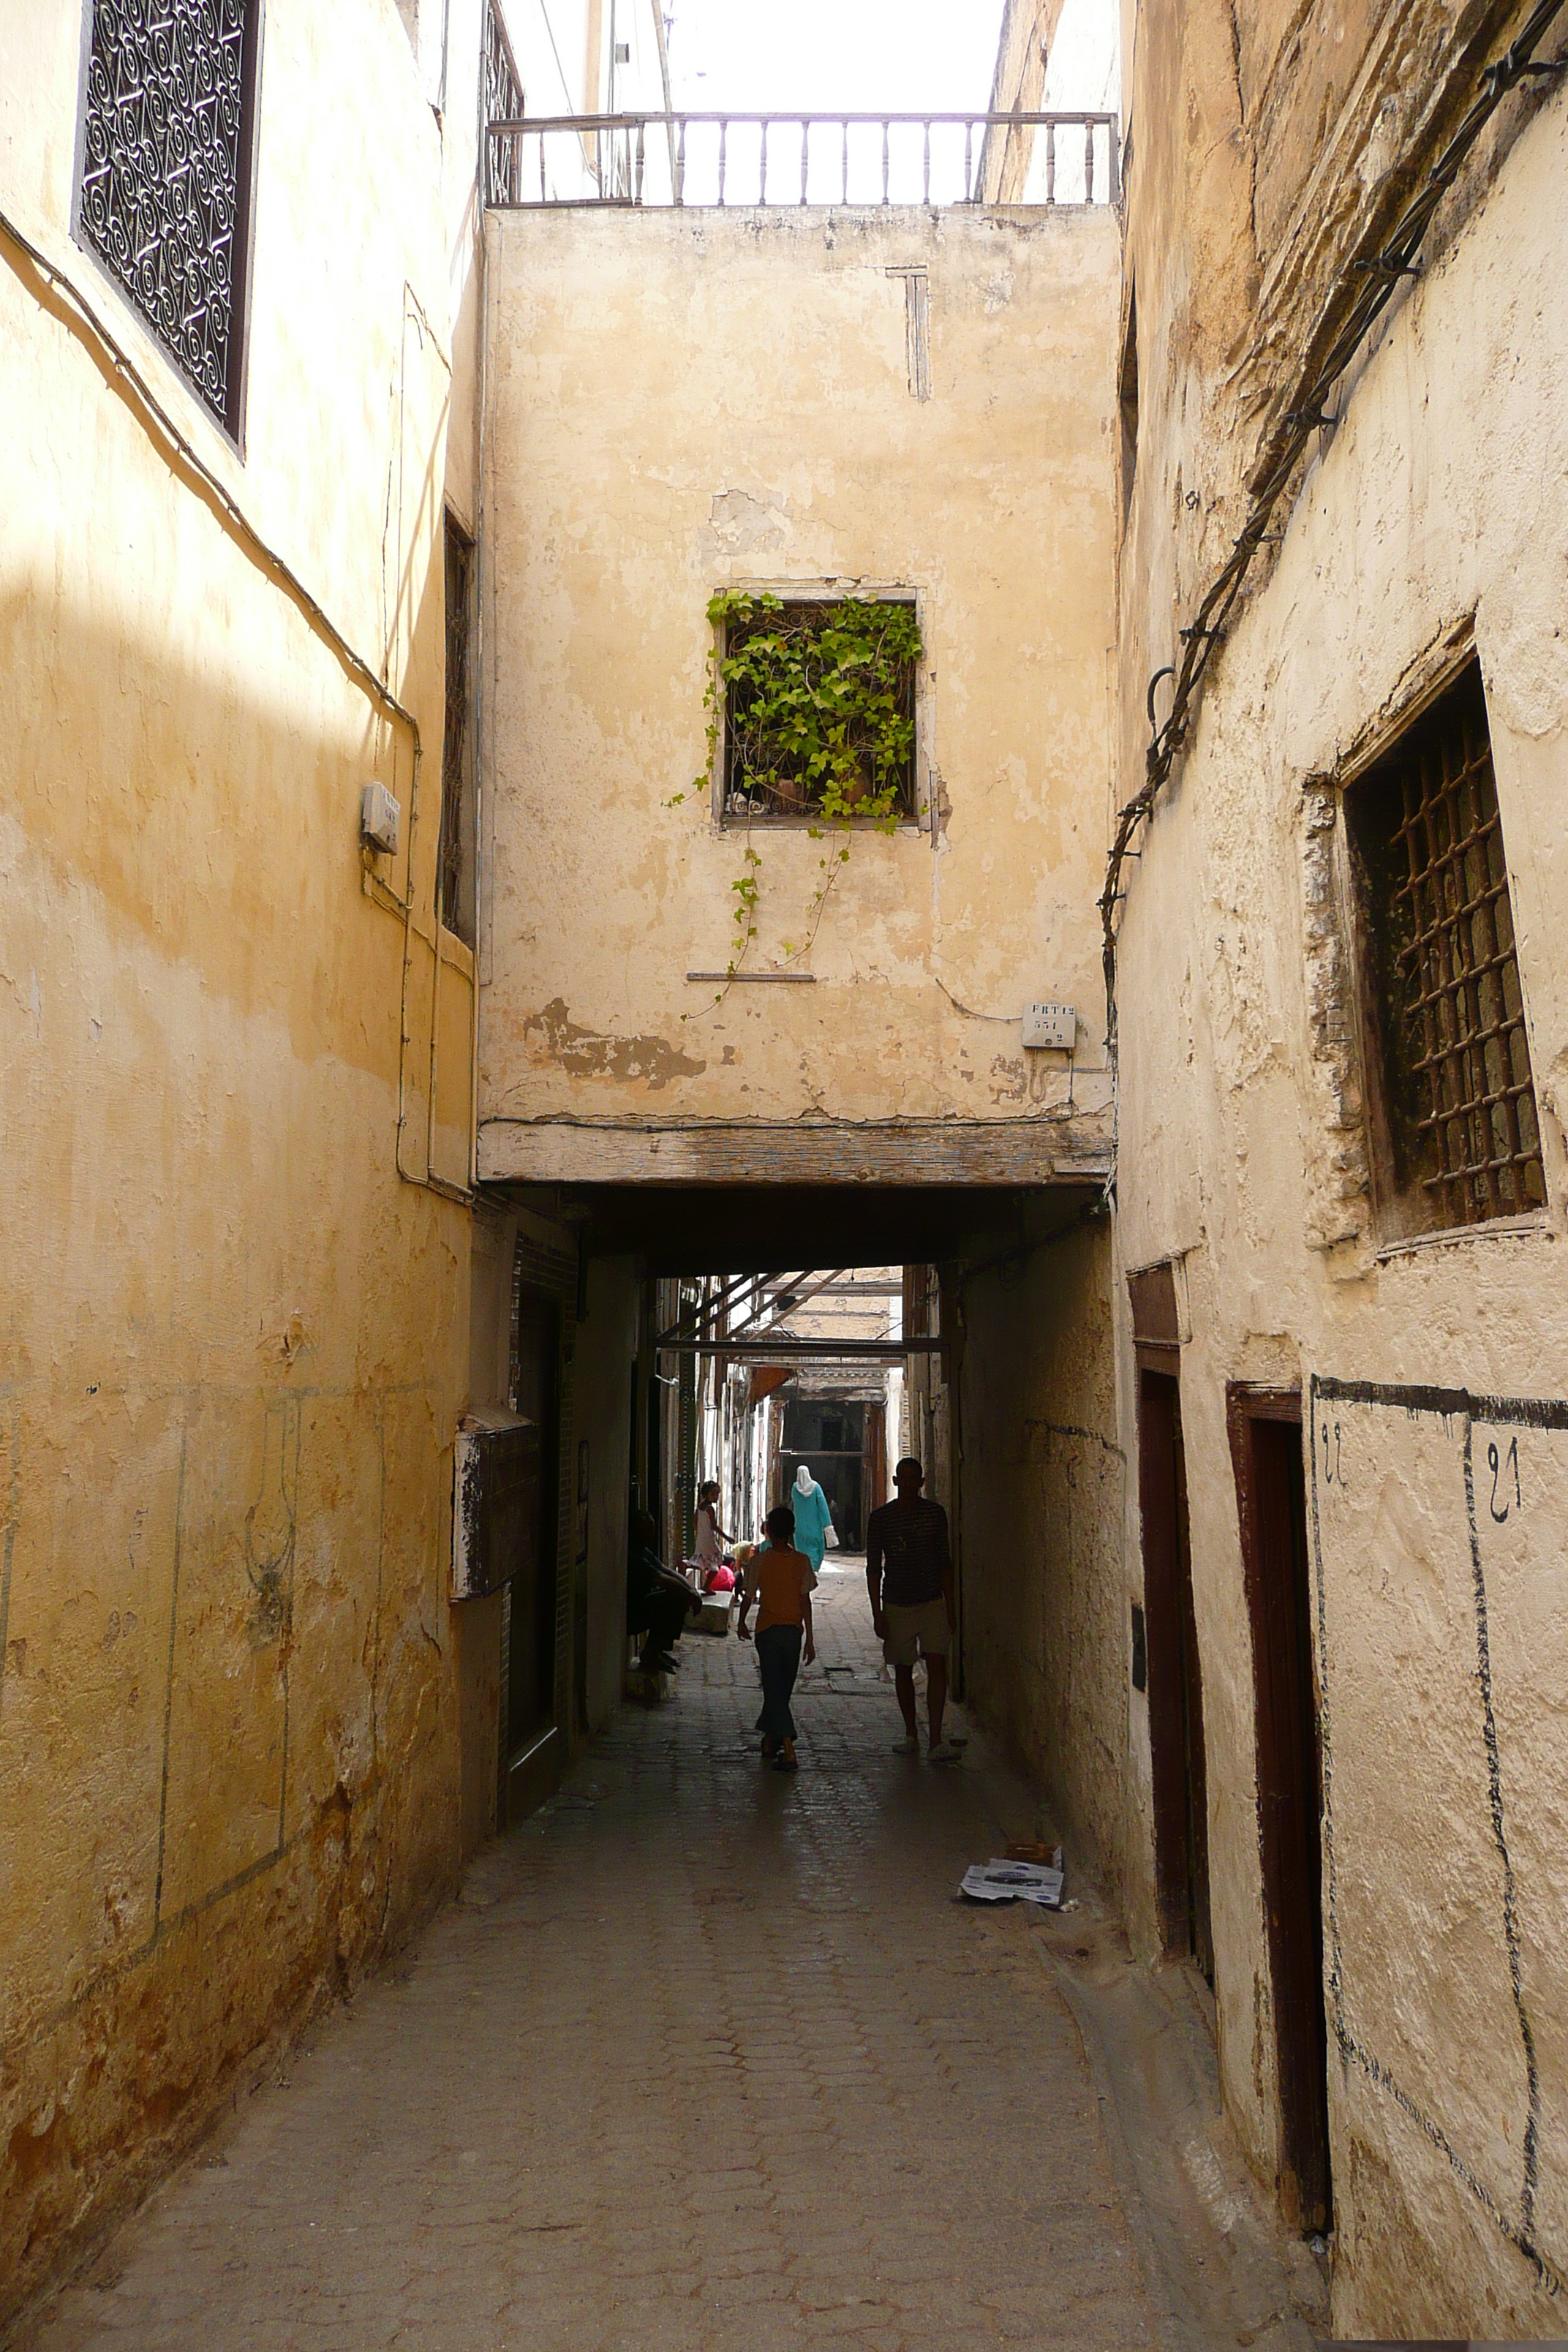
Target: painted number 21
(1501,1467)
(1332,1477)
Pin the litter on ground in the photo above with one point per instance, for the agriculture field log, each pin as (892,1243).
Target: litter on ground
(1003,1880)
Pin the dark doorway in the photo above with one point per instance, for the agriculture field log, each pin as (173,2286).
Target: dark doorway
(828,1435)
(1271,1491)
(531,1640)
(1175,1680)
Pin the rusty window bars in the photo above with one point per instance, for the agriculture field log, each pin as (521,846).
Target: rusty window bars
(759,764)
(1459,1098)
(1358,300)
(608,159)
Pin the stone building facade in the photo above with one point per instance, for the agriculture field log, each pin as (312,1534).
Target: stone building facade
(1341,1163)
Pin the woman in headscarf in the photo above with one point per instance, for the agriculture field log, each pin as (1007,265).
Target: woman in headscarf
(813,1520)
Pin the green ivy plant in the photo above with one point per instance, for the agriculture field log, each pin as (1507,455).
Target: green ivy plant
(820,703)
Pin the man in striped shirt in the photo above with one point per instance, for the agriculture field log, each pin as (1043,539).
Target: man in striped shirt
(909,1573)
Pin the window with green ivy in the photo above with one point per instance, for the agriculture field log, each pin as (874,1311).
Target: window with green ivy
(818,704)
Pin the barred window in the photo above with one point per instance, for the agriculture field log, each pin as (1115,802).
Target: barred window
(1452,1105)
(818,698)
(503,103)
(167,153)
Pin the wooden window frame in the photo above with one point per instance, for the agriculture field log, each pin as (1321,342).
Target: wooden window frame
(458,855)
(1418,1185)
(915,815)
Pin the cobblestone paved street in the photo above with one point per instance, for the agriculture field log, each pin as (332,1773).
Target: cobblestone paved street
(704,2058)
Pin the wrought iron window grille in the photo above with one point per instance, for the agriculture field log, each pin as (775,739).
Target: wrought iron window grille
(165,175)
(1454,1092)
(755,764)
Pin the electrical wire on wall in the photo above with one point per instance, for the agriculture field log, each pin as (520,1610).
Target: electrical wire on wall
(1357,301)
(81,316)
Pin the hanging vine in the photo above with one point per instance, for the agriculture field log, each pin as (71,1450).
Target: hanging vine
(813,704)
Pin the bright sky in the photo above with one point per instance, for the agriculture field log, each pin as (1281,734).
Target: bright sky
(864,54)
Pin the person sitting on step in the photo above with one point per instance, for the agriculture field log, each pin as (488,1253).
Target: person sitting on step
(658,1602)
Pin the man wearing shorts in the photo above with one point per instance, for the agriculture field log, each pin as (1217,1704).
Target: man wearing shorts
(909,1573)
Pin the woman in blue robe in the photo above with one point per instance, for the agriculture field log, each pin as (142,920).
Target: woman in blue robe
(813,1520)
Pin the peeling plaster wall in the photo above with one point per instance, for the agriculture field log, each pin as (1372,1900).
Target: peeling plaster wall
(680,401)
(1443,1632)
(1044,1608)
(233,1343)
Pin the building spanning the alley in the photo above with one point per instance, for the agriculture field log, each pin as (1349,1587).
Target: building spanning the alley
(477,1062)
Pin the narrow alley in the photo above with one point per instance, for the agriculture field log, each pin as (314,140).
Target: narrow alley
(701,2058)
(778,769)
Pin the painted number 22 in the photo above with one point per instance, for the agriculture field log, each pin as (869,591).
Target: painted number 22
(1501,1466)
(1332,1472)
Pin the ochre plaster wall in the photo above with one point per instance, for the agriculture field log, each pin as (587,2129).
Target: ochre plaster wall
(1042,1485)
(1442,1640)
(681,400)
(234,1344)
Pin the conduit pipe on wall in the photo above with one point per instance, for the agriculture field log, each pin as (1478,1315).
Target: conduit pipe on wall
(80,316)
(1357,300)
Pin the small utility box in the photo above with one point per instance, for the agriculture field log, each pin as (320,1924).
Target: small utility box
(496,1496)
(378,819)
(1050,1027)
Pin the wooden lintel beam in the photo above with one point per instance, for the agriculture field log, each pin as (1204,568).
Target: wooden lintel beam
(774,1351)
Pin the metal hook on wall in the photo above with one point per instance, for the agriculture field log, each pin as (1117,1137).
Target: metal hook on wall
(1168,671)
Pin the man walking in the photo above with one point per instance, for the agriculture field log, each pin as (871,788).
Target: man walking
(909,1573)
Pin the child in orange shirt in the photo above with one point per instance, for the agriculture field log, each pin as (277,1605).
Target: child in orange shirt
(781,1579)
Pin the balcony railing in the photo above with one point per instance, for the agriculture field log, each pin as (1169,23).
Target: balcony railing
(847,160)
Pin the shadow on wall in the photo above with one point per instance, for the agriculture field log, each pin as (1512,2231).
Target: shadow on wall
(226,1723)
(1042,1500)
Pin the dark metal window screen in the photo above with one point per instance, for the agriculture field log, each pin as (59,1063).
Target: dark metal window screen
(1462,1104)
(166,175)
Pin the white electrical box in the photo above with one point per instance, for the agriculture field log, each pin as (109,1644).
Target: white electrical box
(1051,1028)
(378,818)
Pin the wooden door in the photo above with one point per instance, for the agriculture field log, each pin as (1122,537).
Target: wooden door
(1175,1676)
(1266,1450)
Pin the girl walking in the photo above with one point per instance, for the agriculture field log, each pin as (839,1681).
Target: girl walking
(780,1580)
